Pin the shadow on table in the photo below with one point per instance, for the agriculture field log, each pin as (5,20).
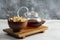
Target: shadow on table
(7,37)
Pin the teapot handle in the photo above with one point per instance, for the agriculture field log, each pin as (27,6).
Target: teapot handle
(20,9)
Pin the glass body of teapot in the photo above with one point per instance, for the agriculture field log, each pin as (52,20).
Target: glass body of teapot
(33,19)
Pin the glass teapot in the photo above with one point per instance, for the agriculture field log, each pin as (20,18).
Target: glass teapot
(33,18)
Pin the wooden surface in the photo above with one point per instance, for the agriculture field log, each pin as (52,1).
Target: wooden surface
(25,32)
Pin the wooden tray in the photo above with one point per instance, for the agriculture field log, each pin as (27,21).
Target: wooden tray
(25,32)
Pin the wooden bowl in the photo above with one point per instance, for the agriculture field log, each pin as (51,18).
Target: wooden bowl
(17,26)
(17,23)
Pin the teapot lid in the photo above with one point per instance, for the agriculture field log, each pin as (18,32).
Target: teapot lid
(33,13)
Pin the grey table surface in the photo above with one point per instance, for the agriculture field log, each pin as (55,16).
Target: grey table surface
(53,32)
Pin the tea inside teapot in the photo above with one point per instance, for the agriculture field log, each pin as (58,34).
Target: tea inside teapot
(33,23)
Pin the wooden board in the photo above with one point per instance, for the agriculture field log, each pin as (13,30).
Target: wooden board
(25,32)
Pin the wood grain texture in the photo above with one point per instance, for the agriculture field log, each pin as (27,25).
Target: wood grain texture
(25,32)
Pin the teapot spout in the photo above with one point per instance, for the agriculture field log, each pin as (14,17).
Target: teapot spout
(42,22)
